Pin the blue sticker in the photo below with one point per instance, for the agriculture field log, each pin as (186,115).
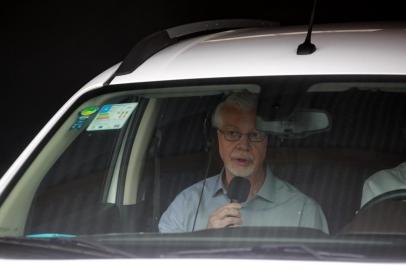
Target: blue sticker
(77,125)
(105,109)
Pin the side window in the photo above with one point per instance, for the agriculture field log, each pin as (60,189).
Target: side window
(73,195)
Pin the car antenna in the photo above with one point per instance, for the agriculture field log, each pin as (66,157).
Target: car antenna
(307,47)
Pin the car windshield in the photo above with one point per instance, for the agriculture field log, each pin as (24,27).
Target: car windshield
(313,167)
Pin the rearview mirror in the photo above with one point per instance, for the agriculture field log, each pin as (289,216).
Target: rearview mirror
(299,124)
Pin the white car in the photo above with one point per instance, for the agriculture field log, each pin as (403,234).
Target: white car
(91,187)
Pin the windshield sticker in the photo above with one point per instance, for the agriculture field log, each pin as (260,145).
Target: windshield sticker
(89,111)
(112,116)
(84,116)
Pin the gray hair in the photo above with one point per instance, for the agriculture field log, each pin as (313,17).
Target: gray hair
(245,101)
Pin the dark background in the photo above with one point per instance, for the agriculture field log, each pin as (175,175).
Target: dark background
(49,49)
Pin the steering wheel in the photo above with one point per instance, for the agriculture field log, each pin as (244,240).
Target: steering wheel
(394,195)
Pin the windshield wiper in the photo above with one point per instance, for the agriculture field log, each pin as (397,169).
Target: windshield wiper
(72,246)
(266,251)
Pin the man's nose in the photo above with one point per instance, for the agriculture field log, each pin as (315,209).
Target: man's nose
(244,142)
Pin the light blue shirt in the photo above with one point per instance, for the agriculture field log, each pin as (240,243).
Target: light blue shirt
(276,204)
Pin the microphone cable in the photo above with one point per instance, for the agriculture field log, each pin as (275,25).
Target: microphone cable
(201,192)
(208,150)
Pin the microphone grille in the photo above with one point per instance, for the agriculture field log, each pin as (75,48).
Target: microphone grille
(239,189)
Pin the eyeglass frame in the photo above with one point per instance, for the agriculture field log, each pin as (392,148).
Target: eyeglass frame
(242,134)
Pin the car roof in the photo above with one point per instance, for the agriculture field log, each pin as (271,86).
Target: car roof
(361,48)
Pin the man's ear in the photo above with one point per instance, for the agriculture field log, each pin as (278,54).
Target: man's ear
(211,136)
(209,131)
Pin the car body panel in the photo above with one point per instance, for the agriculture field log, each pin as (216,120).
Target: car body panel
(264,52)
(180,264)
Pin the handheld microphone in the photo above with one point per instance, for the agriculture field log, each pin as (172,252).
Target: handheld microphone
(239,189)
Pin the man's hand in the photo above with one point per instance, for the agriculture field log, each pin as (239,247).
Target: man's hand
(226,216)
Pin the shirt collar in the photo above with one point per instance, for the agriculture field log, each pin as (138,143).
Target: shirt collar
(219,186)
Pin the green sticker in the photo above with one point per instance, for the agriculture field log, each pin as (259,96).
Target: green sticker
(89,110)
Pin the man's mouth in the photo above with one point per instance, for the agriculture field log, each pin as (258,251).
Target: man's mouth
(242,161)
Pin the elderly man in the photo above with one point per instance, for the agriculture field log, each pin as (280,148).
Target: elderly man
(242,148)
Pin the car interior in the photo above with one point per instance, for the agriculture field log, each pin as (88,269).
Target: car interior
(366,133)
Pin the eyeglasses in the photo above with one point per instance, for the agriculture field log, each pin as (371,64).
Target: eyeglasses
(233,136)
